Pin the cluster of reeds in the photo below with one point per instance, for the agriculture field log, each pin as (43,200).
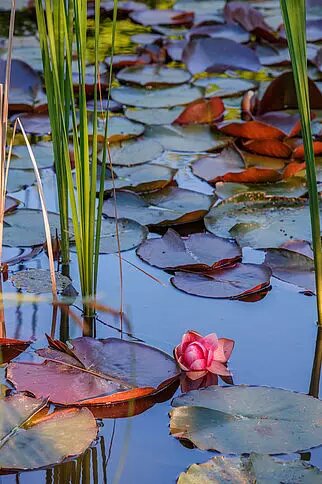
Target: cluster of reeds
(294,15)
(63,34)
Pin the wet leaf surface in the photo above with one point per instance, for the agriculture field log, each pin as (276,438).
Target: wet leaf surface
(241,419)
(224,31)
(292,267)
(293,187)
(203,111)
(218,55)
(197,252)
(38,281)
(20,179)
(26,424)
(165,207)
(154,116)
(119,128)
(153,75)
(260,221)
(224,86)
(95,372)
(43,153)
(255,468)
(162,17)
(233,282)
(156,98)
(10,348)
(135,152)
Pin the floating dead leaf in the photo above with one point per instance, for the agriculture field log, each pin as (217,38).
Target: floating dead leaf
(218,55)
(26,424)
(298,152)
(292,267)
(202,111)
(231,282)
(169,206)
(197,252)
(11,348)
(268,147)
(95,372)
(250,19)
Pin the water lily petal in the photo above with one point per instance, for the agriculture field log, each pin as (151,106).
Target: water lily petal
(188,338)
(210,341)
(199,365)
(194,352)
(224,349)
(218,368)
(195,375)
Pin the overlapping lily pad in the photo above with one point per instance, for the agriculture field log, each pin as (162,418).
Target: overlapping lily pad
(260,221)
(33,438)
(197,252)
(156,98)
(154,116)
(153,75)
(18,180)
(135,152)
(43,153)
(241,419)
(119,128)
(255,468)
(224,86)
(293,187)
(169,206)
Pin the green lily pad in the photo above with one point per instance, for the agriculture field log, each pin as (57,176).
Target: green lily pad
(153,75)
(130,233)
(255,468)
(291,187)
(156,98)
(223,86)
(38,281)
(142,178)
(20,179)
(154,116)
(260,221)
(119,128)
(135,152)
(169,206)
(193,138)
(43,153)
(25,227)
(292,267)
(242,419)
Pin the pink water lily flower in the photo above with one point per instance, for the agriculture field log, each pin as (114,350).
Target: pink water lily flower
(197,355)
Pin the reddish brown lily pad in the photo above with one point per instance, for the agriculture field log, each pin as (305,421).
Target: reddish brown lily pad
(11,348)
(202,111)
(95,372)
(268,147)
(232,282)
(197,252)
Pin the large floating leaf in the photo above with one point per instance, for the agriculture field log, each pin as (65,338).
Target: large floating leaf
(154,116)
(233,282)
(20,179)
(25,227)
(292,187)
(218,55)
(162,17)
(225,31)
(156,98)
(95,372)
(142,178)
(256,468)
(153,75)
(43,153)
(119,128)
(166,207)
(224,86)
(33,438)
(260,221)
(130,234)
(187,138)
(35,123)
(38,281)
(241,419)
(202,111)
(196,252)
(10,348)
(292,267)
(135,152)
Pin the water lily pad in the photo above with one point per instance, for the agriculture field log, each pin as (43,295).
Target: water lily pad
(221,31)
(233,282)
(142,178)
(156,98)
(194,138)
(38,281)
(197,252)
(154,116)
(292,187)
(27,424)
(43,153)
(135,152)
(241,419)
(224,86)
(260,221)
(203,7)
(202,111)
(292,267)
(11,348)
(25,227)
(35,123)
(162,17)
(130,234)
(119,128)
(93,372)
(20,179)
(255,468)
(218,55)
(166,207)
(153,75)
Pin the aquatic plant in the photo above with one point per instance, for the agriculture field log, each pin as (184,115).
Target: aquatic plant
(62,26)
(294,15)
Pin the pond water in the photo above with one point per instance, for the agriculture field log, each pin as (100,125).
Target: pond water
(274,338)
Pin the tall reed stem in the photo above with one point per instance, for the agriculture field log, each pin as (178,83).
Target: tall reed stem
(294,15)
